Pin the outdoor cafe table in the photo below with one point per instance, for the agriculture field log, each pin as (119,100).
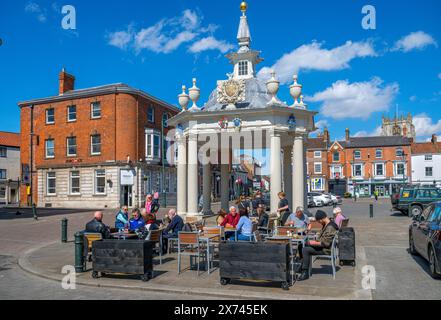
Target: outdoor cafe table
(295,240)
(207,238)
(123,235)
(229,229)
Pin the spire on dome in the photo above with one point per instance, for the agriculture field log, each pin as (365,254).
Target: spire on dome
(243,34)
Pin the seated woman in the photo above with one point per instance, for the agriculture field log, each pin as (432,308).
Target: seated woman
(221,217)
(122,218)
(136,222)
(244,227)
(151,223)
(263,216)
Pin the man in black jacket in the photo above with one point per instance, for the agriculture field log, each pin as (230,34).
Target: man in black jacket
(97,225)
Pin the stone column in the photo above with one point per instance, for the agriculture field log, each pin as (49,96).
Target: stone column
(225,186)
(276,170)
(287,174)
(182,176)
(192,178)
(299,173)
(206,186)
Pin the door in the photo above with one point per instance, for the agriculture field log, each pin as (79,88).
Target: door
(13,196)
(127,196)
(421,231)
(381,190)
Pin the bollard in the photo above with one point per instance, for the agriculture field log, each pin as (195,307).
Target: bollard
(34,211)
(79,248)
(371,210)
(64,230)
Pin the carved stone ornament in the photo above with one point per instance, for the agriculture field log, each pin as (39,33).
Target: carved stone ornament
(230,91)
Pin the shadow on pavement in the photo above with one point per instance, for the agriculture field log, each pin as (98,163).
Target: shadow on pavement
(26,213)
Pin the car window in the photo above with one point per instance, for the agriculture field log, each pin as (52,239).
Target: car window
(423,193)
(426,213)
(406,193)
(435,215)
(434,193)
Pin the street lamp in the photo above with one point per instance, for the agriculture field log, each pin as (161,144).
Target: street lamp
(164,193)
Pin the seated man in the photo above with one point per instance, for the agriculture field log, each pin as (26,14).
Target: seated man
(231,221)
(320,247)
(122,218)
(137,222)
(176,224)
(97,225)
(298,220)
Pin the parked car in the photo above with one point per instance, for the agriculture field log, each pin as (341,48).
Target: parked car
(334,198)
(326,199)
(318,199)
(425,237)
(413,200)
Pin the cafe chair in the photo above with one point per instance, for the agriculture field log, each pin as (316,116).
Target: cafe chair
(190,245)
(344,223)
(333,257)
(268,229)
(156,237)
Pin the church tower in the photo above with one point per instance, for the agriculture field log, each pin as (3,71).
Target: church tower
(398,126)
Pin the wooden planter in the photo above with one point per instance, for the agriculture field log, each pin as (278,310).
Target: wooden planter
(254,261)
(123,256)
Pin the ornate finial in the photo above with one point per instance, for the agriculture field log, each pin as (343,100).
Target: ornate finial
(243,7)
(195,93)
(184,99)
(272,86)
(295,90)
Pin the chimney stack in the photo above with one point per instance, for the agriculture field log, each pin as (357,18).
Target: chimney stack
(434,139)
(348,134)
(326,137)
(67,82)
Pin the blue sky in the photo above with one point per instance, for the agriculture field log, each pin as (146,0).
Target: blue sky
(352,76)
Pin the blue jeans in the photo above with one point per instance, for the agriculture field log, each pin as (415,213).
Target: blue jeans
(240,237)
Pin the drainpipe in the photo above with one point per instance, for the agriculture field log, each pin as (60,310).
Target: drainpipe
(31,154)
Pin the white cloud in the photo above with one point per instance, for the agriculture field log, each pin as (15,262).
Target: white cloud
(120,39)
(35,9)
(413,98)
(424,125)
(166,35)
(364,133)
(414,41)
(355,100)
(313,57)
(210,43)
(439,75)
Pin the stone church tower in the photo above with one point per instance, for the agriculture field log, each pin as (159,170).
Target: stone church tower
(398,126)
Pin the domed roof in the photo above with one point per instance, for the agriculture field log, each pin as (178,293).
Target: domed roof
(256,97)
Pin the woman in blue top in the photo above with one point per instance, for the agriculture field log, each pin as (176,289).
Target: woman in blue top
(244,227)
(137,222)
(122,218)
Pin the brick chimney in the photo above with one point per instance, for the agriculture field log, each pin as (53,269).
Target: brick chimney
(67,82)
(326,137)
(434,139)
(348,134)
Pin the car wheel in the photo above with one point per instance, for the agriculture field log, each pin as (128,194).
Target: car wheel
(432,264)
(415,211)
(412,245)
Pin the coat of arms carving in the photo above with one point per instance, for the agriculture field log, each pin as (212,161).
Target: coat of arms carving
(230,91)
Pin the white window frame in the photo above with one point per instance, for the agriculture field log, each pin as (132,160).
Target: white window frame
(71,177)
(399,150)
(361,170)
(46,149)
(69,113)
(334,171)
(67,147)
(3,152)
(6,174)
(92,105)
(359,154)
(317,154)
(425,172)
(92,144)
(47,183)
(47,116)
(381,154)
(95,182)
(152,120)
(396,169)
(243,67)
(375,169)
(150,135)
(333,156)
(315,167)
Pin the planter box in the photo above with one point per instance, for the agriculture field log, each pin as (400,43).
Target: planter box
(123,256)
(254,261)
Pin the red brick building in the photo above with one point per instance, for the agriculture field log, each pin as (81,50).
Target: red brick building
(366,164)
(97,147)
(317,162)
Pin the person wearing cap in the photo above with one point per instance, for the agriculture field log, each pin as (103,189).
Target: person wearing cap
(298,219)
(338,216)
(321,246)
